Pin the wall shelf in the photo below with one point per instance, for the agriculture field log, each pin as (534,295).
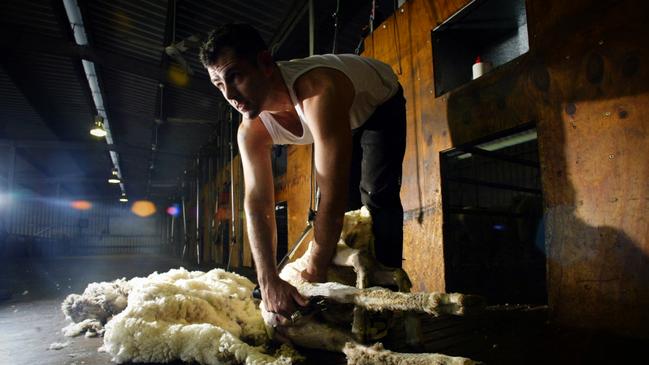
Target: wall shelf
(494,30)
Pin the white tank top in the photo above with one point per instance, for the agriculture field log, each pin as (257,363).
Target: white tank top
(373,80)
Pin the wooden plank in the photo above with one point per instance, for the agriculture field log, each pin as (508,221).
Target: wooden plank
(584,85)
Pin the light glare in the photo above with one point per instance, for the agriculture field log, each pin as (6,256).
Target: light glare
(81,204)
(173,210)
(143,208)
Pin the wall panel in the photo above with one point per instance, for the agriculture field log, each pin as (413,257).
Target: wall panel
(584,83)
(41,226)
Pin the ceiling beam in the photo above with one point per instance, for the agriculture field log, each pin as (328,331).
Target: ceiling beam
(299,9)
(82,179)
(82,146)
(12,40)
(181,121)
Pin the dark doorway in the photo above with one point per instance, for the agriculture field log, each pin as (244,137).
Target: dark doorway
(493,218)
(281,220)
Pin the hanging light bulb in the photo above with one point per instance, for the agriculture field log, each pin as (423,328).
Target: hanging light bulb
(98,128)
(114,179)
(123,198)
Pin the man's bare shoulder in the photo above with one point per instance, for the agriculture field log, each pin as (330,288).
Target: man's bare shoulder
(320,80)
(253,133)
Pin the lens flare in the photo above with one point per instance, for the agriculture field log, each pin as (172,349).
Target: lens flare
(81,204)
(178,76)
(173,210)
(143,208)
(4,199)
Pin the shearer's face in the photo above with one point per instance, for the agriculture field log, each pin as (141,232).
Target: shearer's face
(242,83)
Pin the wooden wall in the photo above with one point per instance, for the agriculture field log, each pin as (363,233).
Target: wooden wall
(294,188)
(585,83)
(213,250)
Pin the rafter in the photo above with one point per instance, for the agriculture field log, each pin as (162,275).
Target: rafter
(12,39)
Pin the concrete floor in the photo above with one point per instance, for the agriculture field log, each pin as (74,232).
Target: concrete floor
(31,292)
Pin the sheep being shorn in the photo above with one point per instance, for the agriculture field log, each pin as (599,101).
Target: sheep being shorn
(330,330)
(211,318)
(376,354)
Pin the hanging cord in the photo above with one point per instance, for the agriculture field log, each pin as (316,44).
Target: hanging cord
(335,16)
(371,27)
(185,233)
(372,14)
(313,191)
(397,40)
(233,238)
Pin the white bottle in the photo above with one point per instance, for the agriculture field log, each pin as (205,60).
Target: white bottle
(480,68)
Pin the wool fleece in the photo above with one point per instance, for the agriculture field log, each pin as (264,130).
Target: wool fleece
(206,317)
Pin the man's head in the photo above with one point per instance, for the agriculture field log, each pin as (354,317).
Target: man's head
(242,38)
(239,65)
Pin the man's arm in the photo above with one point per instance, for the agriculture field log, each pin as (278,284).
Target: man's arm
(255,145)
(326,96)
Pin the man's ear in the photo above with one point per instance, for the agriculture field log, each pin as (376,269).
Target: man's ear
(265,61)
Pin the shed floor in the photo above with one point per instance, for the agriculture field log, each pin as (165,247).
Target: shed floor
(31,291)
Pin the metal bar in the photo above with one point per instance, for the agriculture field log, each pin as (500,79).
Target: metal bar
(198,211)
(172,231)
(287,26)
(499,156)
(465,180)
(10,186)
(233,232)
(13,39)
(474,211)
(185,233)
(311,28)
(505,133)
(233,237)
(67,145)
(336,17)
(12,169)
(190,121)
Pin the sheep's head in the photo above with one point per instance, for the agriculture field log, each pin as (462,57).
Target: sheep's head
(99,301)
(78,308)
(357,229)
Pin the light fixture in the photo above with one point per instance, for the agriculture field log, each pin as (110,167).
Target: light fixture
(123,198)
(98,128)
(114,179)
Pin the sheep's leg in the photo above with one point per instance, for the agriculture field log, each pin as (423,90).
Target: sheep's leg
(376,354)
(391,277)
(378,299)
(412,326)
(356,259)
(316,335)
(360,324)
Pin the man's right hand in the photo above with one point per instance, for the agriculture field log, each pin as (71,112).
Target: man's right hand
(282,299)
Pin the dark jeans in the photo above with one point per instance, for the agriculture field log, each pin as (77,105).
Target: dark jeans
(375,177)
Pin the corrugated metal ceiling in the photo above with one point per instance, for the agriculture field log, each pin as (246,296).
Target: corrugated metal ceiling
(45,96)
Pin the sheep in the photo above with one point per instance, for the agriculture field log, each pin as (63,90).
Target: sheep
(212,318)
(99,301)
(376,354)
(354,250)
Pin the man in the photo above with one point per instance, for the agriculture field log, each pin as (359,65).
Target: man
(350,107)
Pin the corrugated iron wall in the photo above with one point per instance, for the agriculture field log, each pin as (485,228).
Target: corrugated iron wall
(52,227)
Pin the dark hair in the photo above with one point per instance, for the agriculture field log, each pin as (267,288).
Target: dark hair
(242,38)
